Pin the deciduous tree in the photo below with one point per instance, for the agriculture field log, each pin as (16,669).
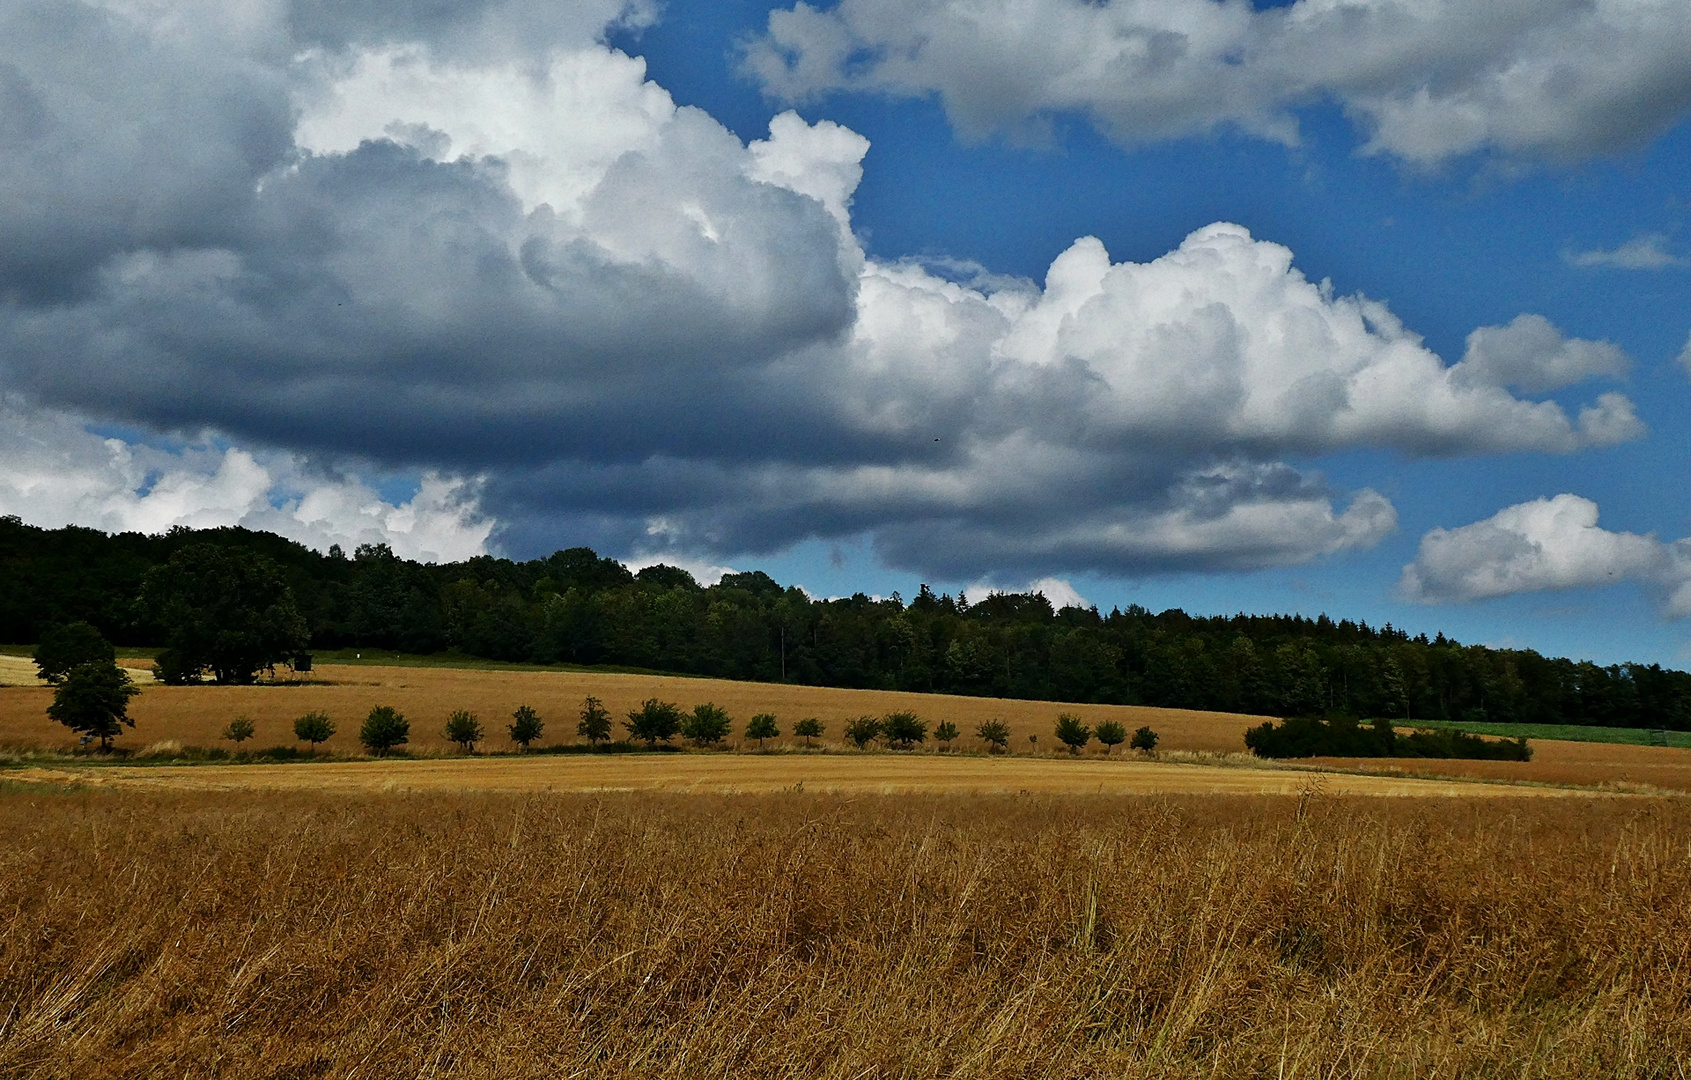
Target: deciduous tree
(761,727)
(314,728)
(1073,732)
(526,726)
(384,729)
(463,728)
(93,700)
(595,722)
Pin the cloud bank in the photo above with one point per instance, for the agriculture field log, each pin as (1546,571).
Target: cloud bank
(54,472)
(339,234)
(1427,80)
(1546,544)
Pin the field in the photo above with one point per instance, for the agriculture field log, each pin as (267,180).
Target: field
(1564,732)
(196,715)
(804,935)
(169,717)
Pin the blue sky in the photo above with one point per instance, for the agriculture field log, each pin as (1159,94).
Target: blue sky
(468,280)
(1472,243)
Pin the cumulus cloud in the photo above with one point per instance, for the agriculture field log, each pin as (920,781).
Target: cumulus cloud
(384,238)
(1647,252)
(1530,354)
(1427,80)
(54,471)
(1542,545)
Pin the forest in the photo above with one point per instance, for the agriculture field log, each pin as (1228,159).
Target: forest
(576,607)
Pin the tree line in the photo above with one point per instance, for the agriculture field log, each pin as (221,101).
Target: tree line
(577,607)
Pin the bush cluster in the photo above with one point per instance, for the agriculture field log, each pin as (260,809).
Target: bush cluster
(1345,736)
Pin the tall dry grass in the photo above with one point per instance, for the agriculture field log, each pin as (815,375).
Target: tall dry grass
(647,936)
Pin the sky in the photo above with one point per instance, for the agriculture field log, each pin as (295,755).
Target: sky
(1376,308)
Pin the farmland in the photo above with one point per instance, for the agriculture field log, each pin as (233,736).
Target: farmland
(170,717)
(659,935)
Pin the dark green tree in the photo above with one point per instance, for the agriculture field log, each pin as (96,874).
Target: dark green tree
(93,700)
(1111,733)
(226,610)
(707,725)
(239,730)
(903,730)
(68,646)
(863,731)
(526,726)
(945,732)
(761,727)
(463,728)
(1144,739)
(807,729)
(384,729)
(314,728)
(1073,732)
(595,722)
(654,721)
(995,733)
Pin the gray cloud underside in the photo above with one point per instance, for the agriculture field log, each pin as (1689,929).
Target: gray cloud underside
(1427,80)
(341,233)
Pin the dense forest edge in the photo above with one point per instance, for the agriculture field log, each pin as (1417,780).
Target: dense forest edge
(576,607)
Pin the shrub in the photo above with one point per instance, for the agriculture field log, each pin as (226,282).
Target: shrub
(945,732)
(384,729)
(1111,733)
(654,721)
(863,731)
(762,727)
(239,730)
(902,730)
(525,726)
(595,723)
(1144,739)
(995,733)
(314,727)
(1072,732)
(807,729)
(69,646)
(707,725)
(1344,736)
(464,729)
(93,700)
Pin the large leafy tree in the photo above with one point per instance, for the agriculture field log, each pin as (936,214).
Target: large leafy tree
(227,611)
(72,645)
(93,700)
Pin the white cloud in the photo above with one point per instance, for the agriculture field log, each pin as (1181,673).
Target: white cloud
(1541,545)
(1530,354)
(54,472)
(527,264)
(1060,591)
(1647,252)
(1685,354)
(1427,79)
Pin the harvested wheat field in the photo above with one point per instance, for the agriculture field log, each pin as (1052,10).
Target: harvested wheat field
(717,773)
(195,715)
(1638,768)
(657,935)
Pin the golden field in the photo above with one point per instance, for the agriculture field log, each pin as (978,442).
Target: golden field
(801,935)
(196,716)
(720,773)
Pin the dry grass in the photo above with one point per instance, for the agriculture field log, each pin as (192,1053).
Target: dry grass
(871,773)
(196,715)
(804,936)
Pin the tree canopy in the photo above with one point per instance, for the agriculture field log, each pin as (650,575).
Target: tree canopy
(227,611)
(574,606)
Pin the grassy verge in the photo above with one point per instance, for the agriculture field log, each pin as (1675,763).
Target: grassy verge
(1563,732)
